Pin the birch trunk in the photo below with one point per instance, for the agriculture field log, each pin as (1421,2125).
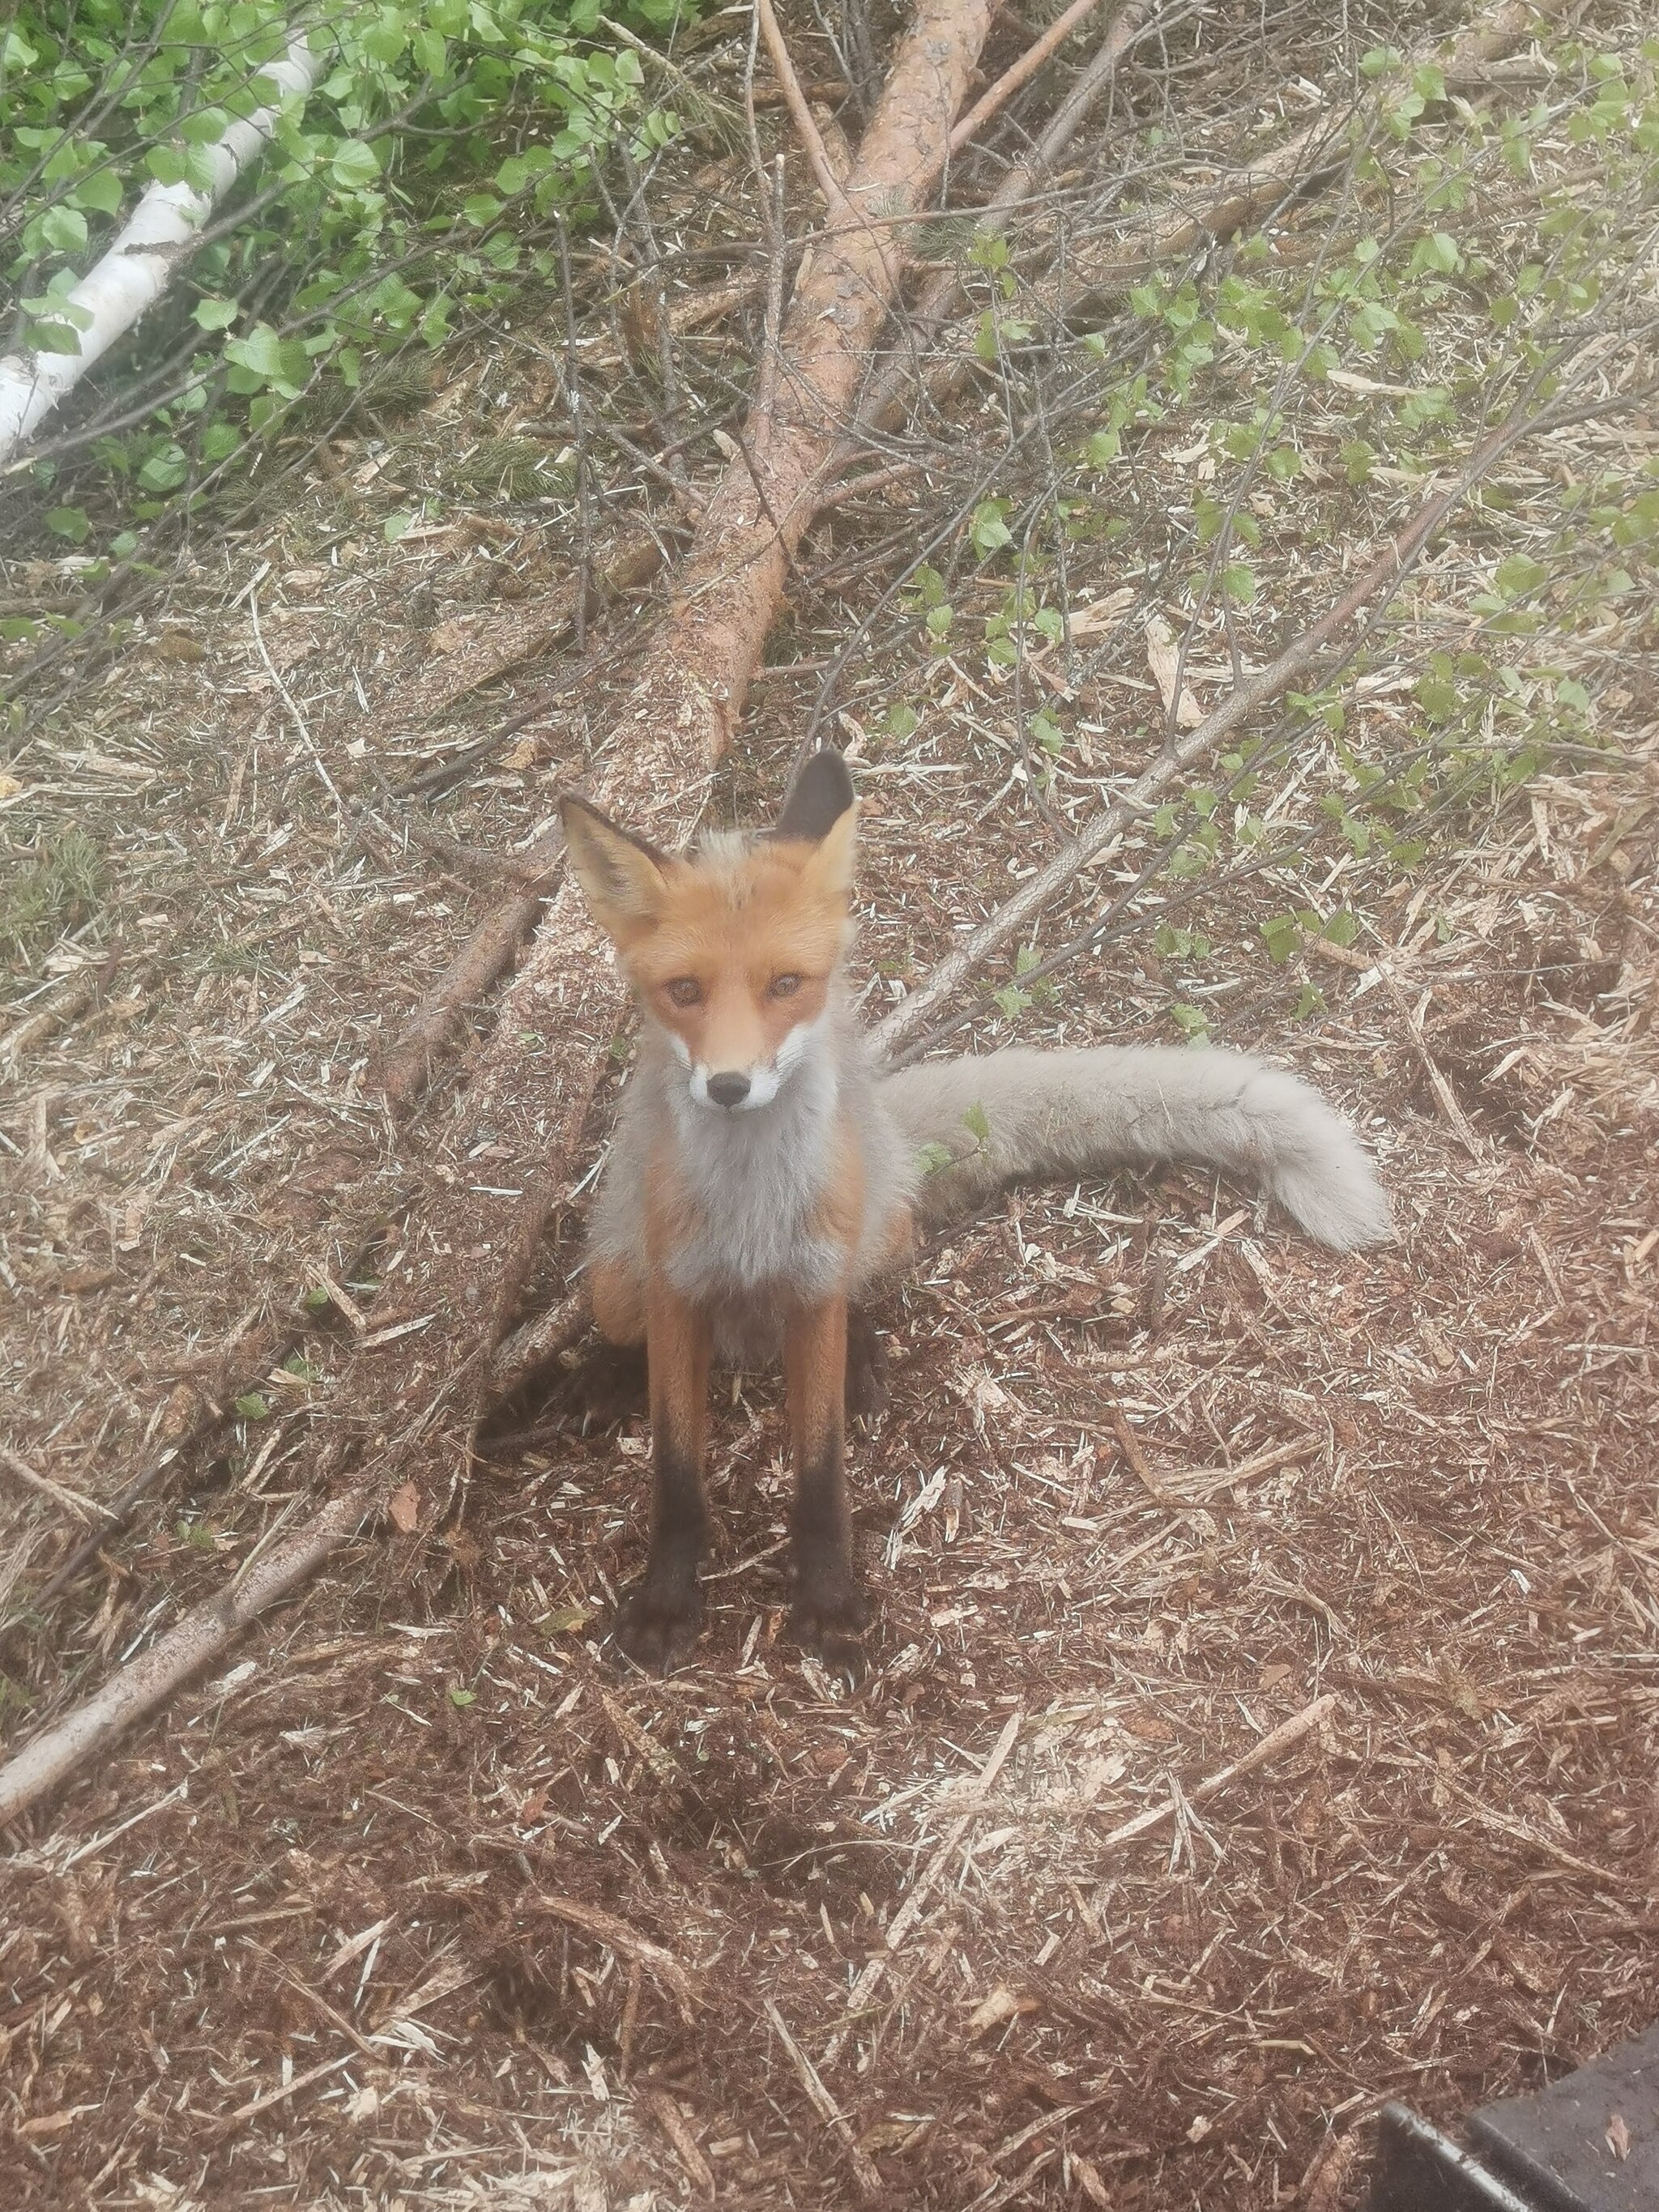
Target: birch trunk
(134,273)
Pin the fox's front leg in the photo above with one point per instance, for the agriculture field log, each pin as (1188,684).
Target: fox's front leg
(661,1619)
(830,1606)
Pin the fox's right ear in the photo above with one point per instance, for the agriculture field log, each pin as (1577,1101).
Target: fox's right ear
(621,875)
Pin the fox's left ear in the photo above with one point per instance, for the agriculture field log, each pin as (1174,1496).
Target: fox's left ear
(822,810)
(818,797)
(829,870)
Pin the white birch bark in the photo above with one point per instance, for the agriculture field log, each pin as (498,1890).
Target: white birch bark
(134,273)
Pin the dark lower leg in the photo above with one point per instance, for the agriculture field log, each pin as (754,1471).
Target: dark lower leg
(829,1604)
(660,1620)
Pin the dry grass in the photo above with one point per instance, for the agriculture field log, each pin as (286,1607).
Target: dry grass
(424,1901)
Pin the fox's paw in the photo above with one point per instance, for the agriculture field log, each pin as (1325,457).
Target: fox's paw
(828,1617)
(658,1624)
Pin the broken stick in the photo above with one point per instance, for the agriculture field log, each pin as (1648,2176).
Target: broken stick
(1276,1741)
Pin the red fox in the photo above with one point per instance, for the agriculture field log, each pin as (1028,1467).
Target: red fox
(765,1171)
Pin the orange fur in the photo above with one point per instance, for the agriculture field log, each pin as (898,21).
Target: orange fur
(776,910)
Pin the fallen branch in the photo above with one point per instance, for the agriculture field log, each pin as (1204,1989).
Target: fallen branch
(946,294)
(673,2121)
(900,1035)
(134,273)
(67,1003)
(866,2173)
(1245,197)
(204,1631)
(908,1914)
(995,97)
(74,1502)
(1272,1746)
(627,1941)
(404,1072)
(1303,163)
(800,114)
(518,1359)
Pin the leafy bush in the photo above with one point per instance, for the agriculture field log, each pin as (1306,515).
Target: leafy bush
(423,180)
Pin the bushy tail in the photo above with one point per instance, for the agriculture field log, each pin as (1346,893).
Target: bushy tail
(1068,1113)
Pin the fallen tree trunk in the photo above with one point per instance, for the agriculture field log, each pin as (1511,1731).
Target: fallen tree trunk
(411,1386)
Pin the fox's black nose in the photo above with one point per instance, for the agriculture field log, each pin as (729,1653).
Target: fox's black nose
(728,1089)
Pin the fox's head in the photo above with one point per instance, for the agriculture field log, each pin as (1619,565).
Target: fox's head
(733,948)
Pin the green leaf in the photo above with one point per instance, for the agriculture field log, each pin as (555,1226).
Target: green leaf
(987,530)
(69,522)
(1518,574)
(205,128)
(50,336)
(900,722)
(215,314)
(383,41)
(396,525)
(460,1698)
(101,192)
(564,1620)
(316,1298)
(165,470)
(252,1407)
(1283,937)
(63,228)
(933,1158)
(267,359)
(1193,1023)
(975,1124)
(1437,697)
(355,164)
(1438,255)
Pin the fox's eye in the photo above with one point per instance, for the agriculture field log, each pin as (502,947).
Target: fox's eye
(784,987)
(684,990)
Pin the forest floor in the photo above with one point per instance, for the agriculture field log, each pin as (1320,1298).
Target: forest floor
(425,1898)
